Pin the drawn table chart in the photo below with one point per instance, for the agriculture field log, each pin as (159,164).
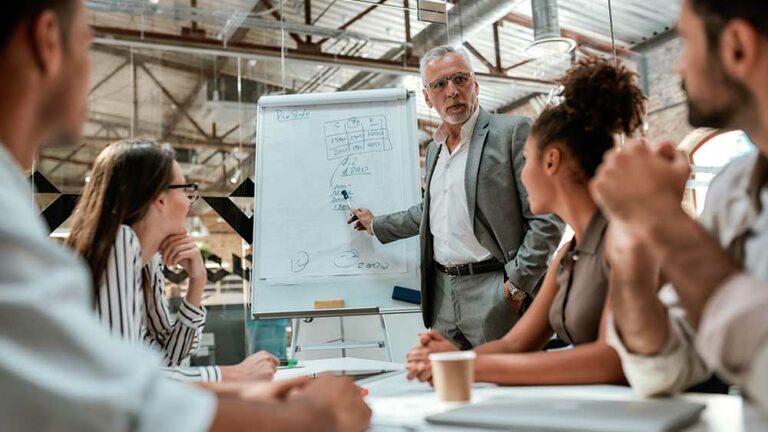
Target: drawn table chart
(309,148)
(356,135)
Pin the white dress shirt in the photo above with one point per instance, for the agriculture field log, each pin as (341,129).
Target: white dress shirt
(454,240)
(143,317)
(733,332)
(733,335)
(60,370)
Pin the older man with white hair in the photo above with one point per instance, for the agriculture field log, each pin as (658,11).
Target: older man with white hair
(483,253)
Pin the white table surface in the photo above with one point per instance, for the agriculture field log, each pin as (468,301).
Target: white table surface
(399,404)
(314,367)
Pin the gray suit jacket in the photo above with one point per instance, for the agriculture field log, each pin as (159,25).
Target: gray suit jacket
(498,206)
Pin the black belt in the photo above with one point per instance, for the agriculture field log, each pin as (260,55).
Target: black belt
(471,268)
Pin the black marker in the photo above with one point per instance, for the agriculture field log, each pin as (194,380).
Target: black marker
(349,203)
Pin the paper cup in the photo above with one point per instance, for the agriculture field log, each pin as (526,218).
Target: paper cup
(453,374)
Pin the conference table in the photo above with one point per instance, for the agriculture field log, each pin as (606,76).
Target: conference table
(402,405)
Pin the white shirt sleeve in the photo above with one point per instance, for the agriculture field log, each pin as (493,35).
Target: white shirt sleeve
(757,381)
(679,366)
(673,370)
(60,370)
(194,374)
(178,337)
(733,334)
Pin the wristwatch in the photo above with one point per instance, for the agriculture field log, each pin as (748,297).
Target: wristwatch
(513,293)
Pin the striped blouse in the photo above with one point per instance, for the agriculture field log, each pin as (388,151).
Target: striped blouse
(142,316)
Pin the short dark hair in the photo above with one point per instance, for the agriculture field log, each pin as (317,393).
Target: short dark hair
(16,11)
(717,13)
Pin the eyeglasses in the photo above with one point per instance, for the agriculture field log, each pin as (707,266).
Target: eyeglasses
(459,80)
(192,190)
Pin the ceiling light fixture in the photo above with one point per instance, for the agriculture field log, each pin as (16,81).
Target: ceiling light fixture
(547,39)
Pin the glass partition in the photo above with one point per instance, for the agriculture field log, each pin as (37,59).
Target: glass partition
(191,73)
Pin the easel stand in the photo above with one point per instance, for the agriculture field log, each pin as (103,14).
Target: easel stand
(341,343)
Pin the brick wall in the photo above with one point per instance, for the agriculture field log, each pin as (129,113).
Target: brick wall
(667,111)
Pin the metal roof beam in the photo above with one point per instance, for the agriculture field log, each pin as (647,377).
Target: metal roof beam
(148,40)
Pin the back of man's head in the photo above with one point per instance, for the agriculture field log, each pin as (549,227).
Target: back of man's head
(46,72)
(17,12)
(717,13)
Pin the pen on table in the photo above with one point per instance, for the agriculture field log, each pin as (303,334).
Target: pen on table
(349,203)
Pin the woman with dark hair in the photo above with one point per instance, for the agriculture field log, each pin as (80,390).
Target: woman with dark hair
(566,145)
(129,222)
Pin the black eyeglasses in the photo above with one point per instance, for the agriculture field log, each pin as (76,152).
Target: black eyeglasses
(192,190)
(459,80)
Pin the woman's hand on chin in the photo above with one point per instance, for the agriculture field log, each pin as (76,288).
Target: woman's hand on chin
(180,249)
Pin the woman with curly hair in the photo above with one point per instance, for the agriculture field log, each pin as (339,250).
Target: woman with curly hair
(566,145)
